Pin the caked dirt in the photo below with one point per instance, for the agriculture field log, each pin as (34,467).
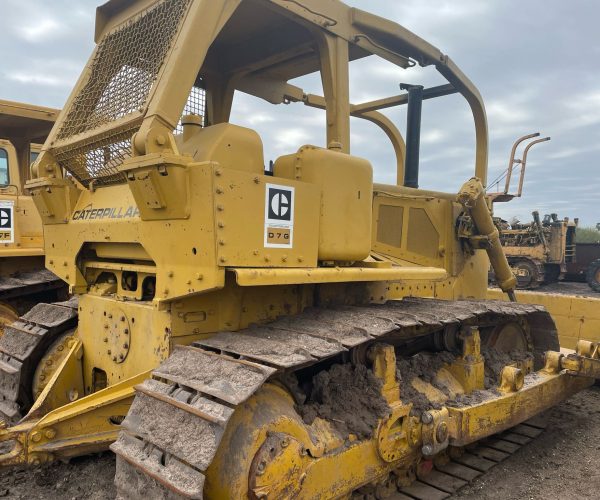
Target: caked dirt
(425,366)
(564,462)
(349,396)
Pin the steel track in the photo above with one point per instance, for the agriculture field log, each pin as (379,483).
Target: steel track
(178,417)
(21,347)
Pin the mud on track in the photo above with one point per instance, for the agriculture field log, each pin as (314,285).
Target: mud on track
(563,462)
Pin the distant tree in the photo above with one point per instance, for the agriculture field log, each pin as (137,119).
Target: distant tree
(588,235)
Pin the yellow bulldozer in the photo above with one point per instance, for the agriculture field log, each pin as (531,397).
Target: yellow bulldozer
(295,333)
(539,251)
(24,280)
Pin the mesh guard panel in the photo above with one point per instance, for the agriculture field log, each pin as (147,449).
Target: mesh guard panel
(122,73)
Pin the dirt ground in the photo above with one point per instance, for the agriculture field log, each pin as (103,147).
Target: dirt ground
(83,478)
(564,462)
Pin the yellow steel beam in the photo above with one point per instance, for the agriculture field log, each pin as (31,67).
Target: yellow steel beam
(87,425)
(576,317)
(262,276)
(471,423)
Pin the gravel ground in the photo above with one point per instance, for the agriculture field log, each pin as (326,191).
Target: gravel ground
(564,462)
(569,288)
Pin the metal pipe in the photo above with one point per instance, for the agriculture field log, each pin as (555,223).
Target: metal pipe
(413,134)
(511,161)
(472,198)
(402,99)
(524,162)
(540,230)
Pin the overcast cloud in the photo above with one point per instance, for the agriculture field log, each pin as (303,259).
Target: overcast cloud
(536,63)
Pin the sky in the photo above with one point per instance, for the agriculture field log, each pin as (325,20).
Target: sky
(535,62)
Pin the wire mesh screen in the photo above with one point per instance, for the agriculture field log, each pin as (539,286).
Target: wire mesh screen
(98,159)
(122,73)
(196,105)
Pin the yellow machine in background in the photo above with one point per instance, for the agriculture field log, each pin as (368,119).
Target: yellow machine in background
(538,253)
(236,328)
(24,281)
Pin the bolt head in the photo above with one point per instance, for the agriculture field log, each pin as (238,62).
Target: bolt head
(427,450)
(427,418)
(442,432)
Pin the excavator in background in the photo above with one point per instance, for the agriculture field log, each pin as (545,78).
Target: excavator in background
(301,332)
(24,279)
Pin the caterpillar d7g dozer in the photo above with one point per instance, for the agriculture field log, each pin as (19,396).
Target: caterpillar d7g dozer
(298,333)
(24,280)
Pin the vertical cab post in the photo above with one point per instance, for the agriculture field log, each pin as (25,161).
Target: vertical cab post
(413,134)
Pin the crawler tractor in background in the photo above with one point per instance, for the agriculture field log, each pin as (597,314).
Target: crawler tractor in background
(240,335)
(24,280)
(539,251)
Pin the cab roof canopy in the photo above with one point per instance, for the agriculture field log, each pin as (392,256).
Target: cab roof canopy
(151,53)
(261,40)
(25,122)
